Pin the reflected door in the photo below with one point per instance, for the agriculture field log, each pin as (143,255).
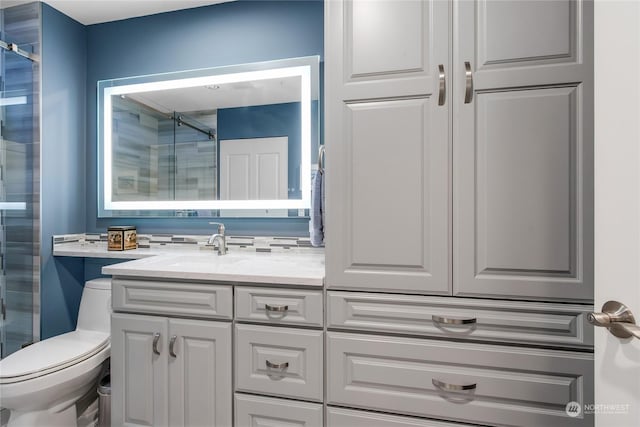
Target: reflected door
(254,169)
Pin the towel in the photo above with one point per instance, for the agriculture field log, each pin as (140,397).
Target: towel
(316,222)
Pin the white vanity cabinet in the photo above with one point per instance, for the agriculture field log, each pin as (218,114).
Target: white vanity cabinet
(171,371)
(194,333)
(278,359)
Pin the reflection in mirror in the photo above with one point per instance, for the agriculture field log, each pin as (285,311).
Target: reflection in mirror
(149,144)
(228,141)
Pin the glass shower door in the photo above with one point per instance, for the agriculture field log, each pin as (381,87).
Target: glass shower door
(19,200)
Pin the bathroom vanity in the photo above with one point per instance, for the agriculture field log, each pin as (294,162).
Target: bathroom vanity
(255,339)
(190,330)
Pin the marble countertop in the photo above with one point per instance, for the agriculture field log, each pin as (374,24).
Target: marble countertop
(295,268)
(99,250)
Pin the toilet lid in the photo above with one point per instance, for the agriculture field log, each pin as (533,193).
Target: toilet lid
(51,355)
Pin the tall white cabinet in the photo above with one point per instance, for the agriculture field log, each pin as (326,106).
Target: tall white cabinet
(387,135)
(459,176)
(523,149)
(459,148)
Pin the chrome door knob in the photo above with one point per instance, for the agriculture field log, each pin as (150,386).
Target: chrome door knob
(616,317)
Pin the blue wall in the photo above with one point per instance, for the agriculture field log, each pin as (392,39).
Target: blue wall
(63,204)
(75,57)
(223,34)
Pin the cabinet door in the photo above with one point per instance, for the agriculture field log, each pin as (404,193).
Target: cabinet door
(523,149)
(200,373)
(387,146)
(139,377)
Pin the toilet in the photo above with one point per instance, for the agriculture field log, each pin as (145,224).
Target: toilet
(42,384)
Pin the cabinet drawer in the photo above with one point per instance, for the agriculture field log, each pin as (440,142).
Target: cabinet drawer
(279,361)
(172,298)
(561,325)
(269,411)
(340,417)
(501,385)
(279,306)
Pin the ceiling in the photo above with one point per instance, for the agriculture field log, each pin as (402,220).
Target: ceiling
(89,12)
(229,95)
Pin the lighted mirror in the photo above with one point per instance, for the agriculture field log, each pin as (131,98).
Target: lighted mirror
(227,141)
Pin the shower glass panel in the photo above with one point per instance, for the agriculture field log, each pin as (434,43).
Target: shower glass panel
(19,177)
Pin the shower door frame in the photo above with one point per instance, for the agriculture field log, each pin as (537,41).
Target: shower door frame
(8,48)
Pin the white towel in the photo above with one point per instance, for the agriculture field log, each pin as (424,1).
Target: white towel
(316,222)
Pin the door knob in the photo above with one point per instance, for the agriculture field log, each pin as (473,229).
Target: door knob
(616,317)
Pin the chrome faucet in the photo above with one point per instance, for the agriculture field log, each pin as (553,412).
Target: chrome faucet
(220,237)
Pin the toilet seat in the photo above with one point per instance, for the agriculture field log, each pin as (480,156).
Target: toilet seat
(52,355)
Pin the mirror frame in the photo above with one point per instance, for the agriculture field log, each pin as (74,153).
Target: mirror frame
(307,68)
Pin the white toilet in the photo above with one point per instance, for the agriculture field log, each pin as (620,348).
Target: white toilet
(41,384)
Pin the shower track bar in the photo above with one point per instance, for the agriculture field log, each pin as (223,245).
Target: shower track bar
(181,122)
(12,47)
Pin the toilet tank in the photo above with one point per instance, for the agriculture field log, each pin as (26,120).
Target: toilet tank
(95,306)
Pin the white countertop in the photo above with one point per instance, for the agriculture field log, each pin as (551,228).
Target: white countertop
(99,250)
(295,268)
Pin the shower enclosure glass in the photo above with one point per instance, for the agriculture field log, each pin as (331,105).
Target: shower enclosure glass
(19,176)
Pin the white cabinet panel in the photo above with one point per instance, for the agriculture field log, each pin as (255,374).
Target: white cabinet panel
(172,298)
(279,306)
(395,206)
(279,361)
(480,383)
(548,324)
(199,373)
(182,378)
(526,182)
(340,417)
(258,411)
(510,32)
(387,145)
(523,150)
(375,47)
(139,376)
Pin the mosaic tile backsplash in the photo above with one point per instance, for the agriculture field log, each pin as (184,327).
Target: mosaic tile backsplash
(259,244)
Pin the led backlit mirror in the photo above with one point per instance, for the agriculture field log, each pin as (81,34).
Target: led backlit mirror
(227,141)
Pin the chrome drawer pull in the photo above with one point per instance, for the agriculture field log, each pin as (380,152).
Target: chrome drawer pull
(442,85)
(272,365)
(468,75)
(450,321)
(276,308)
(453,387)
(172,344)
(156,338)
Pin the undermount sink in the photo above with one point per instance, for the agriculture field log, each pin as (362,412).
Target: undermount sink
(240,266)
(205,259)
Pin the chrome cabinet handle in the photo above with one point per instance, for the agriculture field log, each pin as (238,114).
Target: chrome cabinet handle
(276,308)
(442,85)
(450,321)
(468,75)
(156,338)
(453,387)
(276,365)
(616,317)
(172,344)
